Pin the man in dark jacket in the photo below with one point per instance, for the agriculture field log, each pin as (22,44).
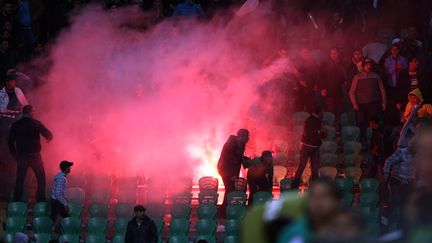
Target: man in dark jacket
(141,229)
(310,143)
(25,147)
(230,161)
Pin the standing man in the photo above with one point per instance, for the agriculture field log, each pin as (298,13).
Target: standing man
(310,143)
(59,203)
(25,147)
(395,65)
(230,161)
(367,95)
(141,229)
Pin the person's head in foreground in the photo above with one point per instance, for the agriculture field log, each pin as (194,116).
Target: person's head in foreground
(65,166)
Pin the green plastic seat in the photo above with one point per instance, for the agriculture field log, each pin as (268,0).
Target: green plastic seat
(120,226)
(75,210)
(240,184)
(42,225)
(347,199)
(236,198)
(181,211)
(285,184)
(119,238)
(99,197)
(350,134)
(17,209)
(329,172)
(207,211)
(369,200)
(98,210)
(9,238)
(71,225)
(348,119)
(328,147)
(352,160)
(15,224)
(206,238)
(43,237)
(178,239)
(206,227)
(159,226)
(70,238)
(232,227)
(208,197)
(354,173)
(124,210)
(331,133)
(235,211)
(346,185)
(179,226)
(231,239)
(352,147)
(155,211)
(300,117)
(262,197)
(75,195)
(370,214)
(329,160)
(41,209)
(208,183)
(95,238)
(369,185)
(97,225)
(328,118)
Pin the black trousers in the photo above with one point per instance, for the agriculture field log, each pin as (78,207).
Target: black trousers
(366,112)
(24,162)
(229,184)
(306,153)
(57,209)
(399,193)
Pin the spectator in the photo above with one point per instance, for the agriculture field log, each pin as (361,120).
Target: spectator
(411,47)
(260,176)
(415,77)
(367,95)
(303,89)
(189,9)
(332,79)
(310,143)
(307,66)
(25,147)
(59,203)
(375,50)
(323,201)
(394,65)
(356,65)
(399,168)
(414,99)
(141,229)
(12,98)
(230,161)
(375,148)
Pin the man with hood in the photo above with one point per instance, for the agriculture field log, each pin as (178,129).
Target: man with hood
(415,98)
(230,161)
(141,229)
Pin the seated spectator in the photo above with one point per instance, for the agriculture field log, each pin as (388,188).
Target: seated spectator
(414,99)
(189,8)
(260,176)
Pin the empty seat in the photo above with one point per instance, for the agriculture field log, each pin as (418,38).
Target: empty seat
(98,210)
(43,237)
(120,226)
(97,225)
(75,210)
(206,238)
(95,238)
(285,184)
(118,238)
(231,239)
(69,238)
(348,119)
(328,147)
(329,160)
(180,211)
(328,118)
(15,224)
(262,197)
(40,209)
(208,197)
(369,200)
(352,160)
(347,199)
(237,197)
(206,226)
(369,185)
(17,209)
(345,185)
(42,225)
(71,225)
(350,133)
(207,211)
(179,226)
(328,172)
(232,227)
(124,210)
(208,183)
(352,147)
(235,211)
(9,237)
(354,173)
(331,133)
(178,239)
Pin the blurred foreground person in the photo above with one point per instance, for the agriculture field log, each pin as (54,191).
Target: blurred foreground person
(59,203)
(260,176)
(25,147)
(310,143)
(230,161)
(141,229)
(323,201)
